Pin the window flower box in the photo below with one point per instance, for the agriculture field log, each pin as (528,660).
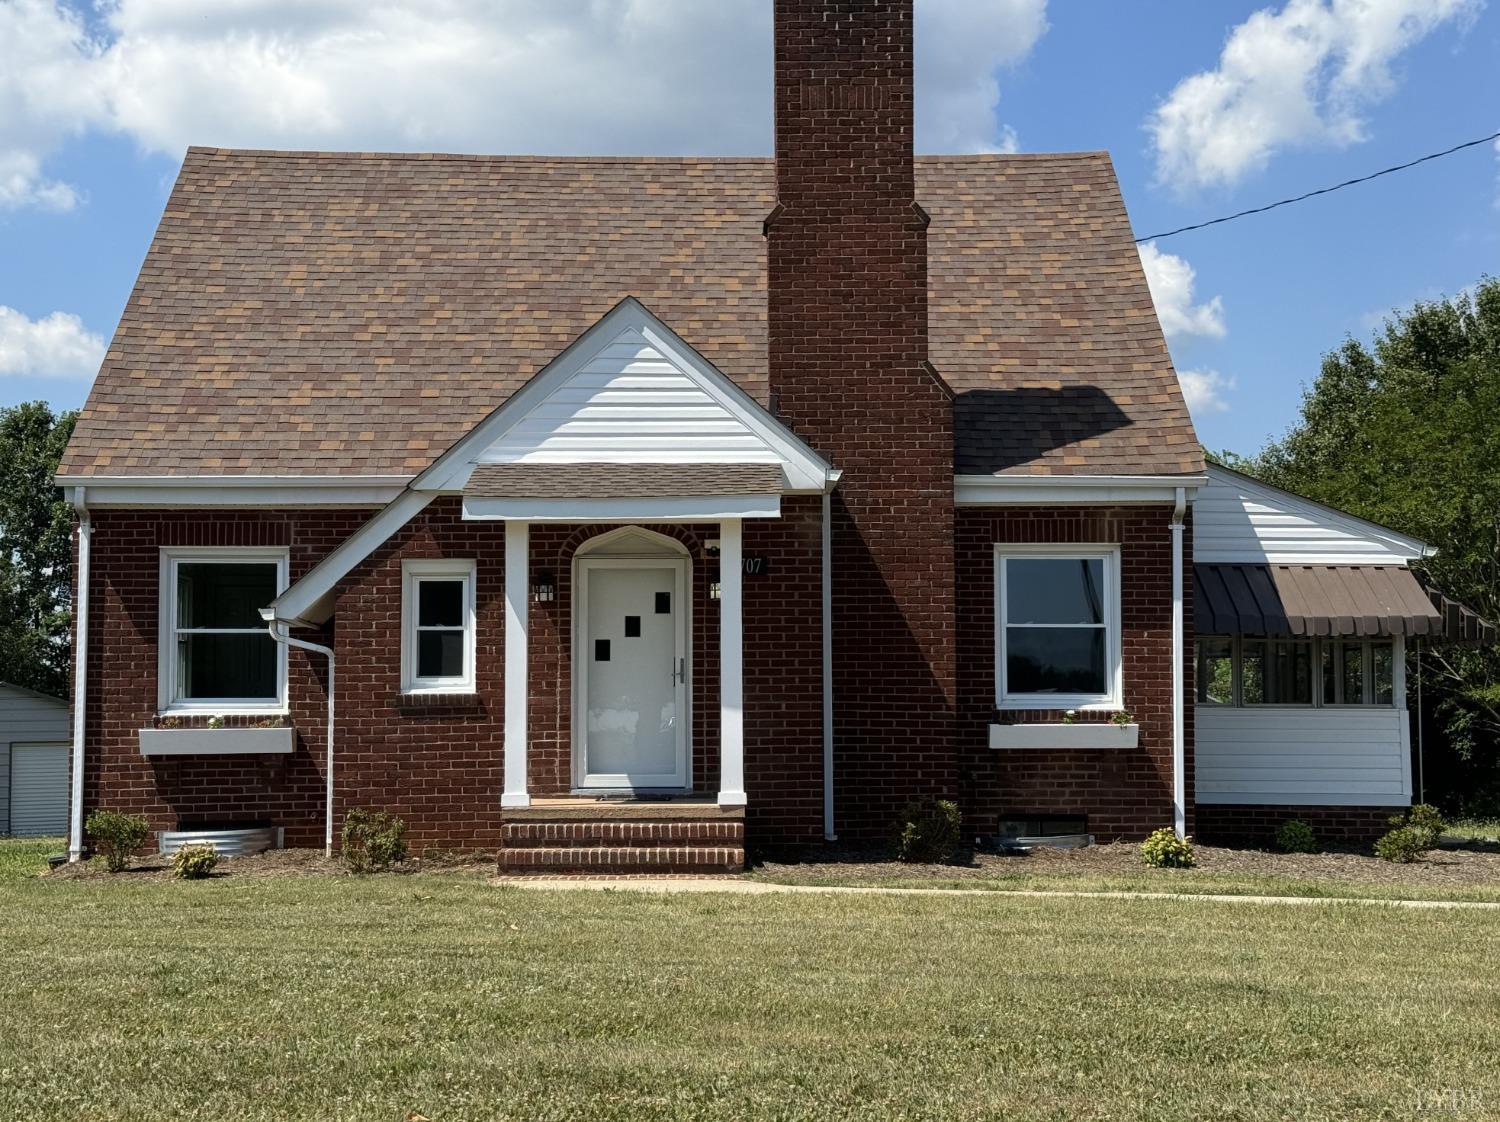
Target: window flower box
(1061,735)
(216,741)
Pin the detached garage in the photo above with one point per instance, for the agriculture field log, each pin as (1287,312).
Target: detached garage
(34,745)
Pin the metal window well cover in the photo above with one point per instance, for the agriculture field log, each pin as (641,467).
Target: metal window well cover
(1025,844)
(227,841)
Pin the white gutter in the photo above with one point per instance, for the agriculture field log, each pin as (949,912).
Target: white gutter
(278,631)
(80,673)
(1179,735)
(828,831)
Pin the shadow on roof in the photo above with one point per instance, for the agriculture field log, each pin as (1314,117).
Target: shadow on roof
(998,430)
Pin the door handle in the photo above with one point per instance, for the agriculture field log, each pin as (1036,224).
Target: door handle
(679,675)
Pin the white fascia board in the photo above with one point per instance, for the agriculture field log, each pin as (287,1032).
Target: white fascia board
(237,490)
(480,509)
(1070,490)
(309,600)
(1315,511)
(804,469)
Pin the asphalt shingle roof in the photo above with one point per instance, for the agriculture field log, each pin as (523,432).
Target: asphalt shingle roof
(355,314)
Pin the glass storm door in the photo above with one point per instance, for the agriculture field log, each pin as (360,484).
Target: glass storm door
(632,674)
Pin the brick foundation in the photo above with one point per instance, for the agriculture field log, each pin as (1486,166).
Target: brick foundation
(1257,825)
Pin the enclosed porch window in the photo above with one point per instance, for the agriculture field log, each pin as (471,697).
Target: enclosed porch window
(1249,671)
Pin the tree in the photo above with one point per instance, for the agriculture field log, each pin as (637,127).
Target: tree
(1406,432)
(36,561)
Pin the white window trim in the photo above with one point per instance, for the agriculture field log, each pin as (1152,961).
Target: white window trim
(1114,673)
(166,638)
(413,572)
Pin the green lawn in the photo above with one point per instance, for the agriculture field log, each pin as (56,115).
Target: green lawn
(345,998)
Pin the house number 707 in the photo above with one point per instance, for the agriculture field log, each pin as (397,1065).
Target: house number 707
(754,566)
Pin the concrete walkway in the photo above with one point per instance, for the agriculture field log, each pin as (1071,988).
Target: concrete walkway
(737,886)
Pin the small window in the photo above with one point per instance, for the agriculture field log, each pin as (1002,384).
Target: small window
(1057,633)
(438,627)
(216,653)
(1255,671)
(1216,672)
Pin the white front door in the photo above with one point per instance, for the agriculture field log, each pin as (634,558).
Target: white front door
(631,674)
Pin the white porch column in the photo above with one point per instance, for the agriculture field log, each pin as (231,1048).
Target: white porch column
(731,665)
(517,593)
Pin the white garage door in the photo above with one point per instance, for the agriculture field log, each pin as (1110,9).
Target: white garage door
(38,789)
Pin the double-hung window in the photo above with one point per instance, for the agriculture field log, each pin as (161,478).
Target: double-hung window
(438,625)
(1057,633)
(215,652)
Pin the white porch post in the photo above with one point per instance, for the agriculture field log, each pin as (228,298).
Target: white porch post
(731,665)
(517,591)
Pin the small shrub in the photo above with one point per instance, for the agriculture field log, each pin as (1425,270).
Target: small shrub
(1296,836)
(372,840)
(1403,845)
(116,836)
(1428,821)
(194,862)
(1165,850)
(928,831)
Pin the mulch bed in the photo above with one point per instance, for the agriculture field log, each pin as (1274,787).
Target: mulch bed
(1440,867)
(274,863)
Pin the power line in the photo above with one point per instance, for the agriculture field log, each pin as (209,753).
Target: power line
(1325,190)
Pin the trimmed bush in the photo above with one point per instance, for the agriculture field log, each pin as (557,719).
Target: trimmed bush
(372,840)
(1403,845)
(1296,836)
(117,836)
(1428,821)
(1165,850)
(194,862)
(928,831)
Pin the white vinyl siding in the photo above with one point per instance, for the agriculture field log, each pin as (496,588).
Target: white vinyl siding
(1307,757)
(1239,521)
(630,403)
(38,789)
(31,718)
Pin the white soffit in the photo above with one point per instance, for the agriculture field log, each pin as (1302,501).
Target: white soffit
(1239,520)
(629,391)
(1069,490)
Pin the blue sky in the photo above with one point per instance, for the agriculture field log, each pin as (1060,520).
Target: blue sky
(1206,108)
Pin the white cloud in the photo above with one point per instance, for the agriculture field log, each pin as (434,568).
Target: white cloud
(1172,281)
(1206,391)
(55,346)
(541,76)
(1300,76)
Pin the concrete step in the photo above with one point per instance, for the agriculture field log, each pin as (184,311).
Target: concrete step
(618,859)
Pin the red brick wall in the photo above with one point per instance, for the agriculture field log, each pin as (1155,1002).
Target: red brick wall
(1257,825)
(847,306)
(1124,793)
(438,761)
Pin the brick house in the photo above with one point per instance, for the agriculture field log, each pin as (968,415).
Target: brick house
(615,512)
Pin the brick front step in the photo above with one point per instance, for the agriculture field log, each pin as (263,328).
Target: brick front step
(623,833)
(549,860)
(590,836)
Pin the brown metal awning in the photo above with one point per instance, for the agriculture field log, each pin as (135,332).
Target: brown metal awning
(1333,600)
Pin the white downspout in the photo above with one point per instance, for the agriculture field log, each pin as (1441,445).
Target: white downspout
(1179,734)
(279,633)
(828,831)
(80,674)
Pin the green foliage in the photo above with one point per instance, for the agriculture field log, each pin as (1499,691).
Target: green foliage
(1296,836)
(36,559)
(1426,821)
(1406,432)
(1165,850)
(928,830)
(372,840)
(1403,845)
(116,836)
(194,862)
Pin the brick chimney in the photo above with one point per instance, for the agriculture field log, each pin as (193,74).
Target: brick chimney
(847,279)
